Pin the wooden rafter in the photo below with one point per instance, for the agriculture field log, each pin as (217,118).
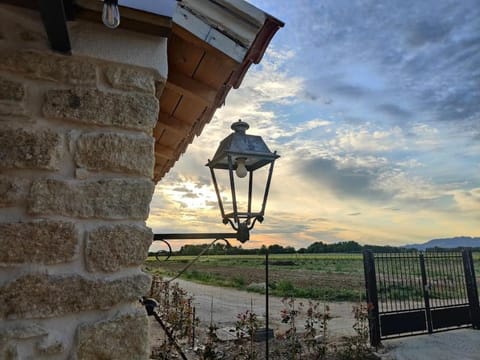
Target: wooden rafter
(191,88)
(165,152)
(173,124)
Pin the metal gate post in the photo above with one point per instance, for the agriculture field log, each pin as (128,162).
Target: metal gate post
(471,284)
(372,297)
(426,295)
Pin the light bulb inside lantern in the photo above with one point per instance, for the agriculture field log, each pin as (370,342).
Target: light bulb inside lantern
(241,169)
(111,14)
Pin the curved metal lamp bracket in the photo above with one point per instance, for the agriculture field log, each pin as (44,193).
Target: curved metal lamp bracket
(159,252)
(191,262)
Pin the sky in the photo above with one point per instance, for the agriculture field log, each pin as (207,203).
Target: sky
(374,108)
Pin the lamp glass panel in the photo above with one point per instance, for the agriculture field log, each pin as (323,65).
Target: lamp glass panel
(242,190)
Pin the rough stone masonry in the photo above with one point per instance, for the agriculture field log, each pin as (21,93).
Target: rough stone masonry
(76,163)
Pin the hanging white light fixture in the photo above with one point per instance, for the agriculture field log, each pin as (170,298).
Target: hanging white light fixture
(111,14)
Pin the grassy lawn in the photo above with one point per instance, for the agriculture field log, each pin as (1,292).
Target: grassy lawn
(328,277)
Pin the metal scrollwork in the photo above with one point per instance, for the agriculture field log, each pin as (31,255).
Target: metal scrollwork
(158,256)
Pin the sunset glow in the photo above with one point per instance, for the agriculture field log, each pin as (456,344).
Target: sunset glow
(375,111)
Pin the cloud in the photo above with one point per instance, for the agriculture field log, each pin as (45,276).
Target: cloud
(383,54)
(427,31)
(344,182)
(468,200)
(364,139)
(411,189)
(347,90)
(395,111)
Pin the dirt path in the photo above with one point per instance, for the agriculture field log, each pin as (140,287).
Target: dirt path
(227,303)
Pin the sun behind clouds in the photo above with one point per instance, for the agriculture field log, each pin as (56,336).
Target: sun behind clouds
(192,195)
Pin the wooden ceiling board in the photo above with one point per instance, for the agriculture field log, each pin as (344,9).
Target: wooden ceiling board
(161,162)
(165,152)
(194,89)
(173,124)
(169,141)
(158,131)
(169,100)
(189,110)
(183,56)
(214,71)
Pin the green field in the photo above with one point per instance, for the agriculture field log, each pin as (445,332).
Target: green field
(329,277)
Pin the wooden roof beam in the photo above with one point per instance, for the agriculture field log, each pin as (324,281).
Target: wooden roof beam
(169,122)
(165,152)
(191,88)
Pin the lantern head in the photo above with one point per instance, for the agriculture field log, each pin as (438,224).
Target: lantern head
(240,155)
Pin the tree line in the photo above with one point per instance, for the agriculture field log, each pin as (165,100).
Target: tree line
(317,247)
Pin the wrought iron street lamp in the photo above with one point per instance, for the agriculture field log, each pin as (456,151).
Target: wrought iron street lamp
(238,155)
(241,154)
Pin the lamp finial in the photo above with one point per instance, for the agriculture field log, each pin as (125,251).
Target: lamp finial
(240,126)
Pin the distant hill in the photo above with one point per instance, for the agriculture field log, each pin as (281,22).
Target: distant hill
(460,241)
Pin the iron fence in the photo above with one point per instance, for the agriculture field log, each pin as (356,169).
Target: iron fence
(414,292)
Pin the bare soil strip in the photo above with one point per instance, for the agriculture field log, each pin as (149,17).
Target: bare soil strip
(228,303)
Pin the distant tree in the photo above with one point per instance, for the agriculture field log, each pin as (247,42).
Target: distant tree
(191,250)
(386,248)
(345,247)
(316,247)
(289,250)
(342,247)
(262,250)
(276,249)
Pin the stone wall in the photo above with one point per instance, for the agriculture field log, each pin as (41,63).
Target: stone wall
(76,163)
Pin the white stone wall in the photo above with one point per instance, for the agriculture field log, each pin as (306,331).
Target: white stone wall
(76,163)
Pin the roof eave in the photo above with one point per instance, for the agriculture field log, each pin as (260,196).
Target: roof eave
(257,49)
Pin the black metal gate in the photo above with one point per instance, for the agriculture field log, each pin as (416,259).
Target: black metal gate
(415,293)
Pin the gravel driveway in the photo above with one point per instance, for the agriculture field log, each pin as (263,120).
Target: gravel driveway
(227,303)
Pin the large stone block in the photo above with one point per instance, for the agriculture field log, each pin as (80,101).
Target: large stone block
(11,90)
(116,152)
(49,66)
(13,190)
(122,338)
(41,242)
(39,149)
(110,248)
(44,296)
(95,107)
(130,79)
(11,108)
(107,199)
(12,98)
